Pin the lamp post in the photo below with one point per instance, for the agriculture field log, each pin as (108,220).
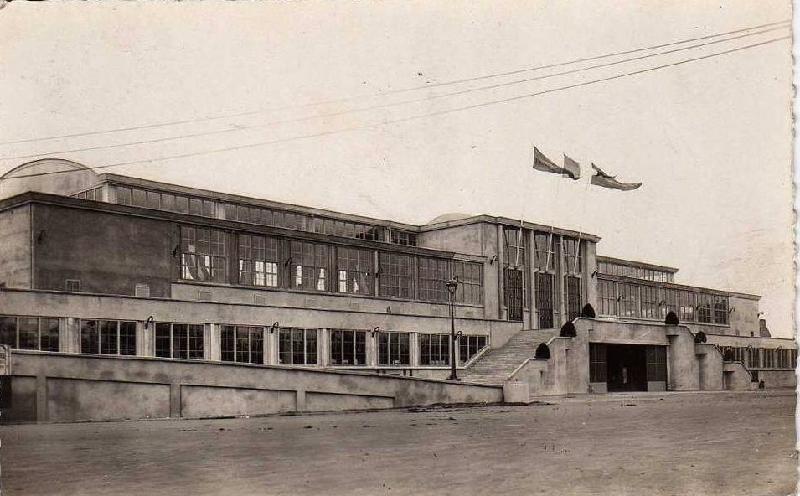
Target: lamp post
(451,286)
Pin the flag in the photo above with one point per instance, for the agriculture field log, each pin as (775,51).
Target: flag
(601,178)
(571,168)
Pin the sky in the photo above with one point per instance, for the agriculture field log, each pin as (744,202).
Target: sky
(710,140)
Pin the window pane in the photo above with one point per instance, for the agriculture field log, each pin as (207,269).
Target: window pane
(127,338)
(90,335)
(163,349)
(49,334)
(28,333)
(108,337)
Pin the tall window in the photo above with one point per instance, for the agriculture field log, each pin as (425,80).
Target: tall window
(572,296)
(469,346)
(515,259)
(598,362)
(355,272)
(309,266)
(607,296)
(573,258)
(258,260)
(108,337)
(720,309)
(242,344)
(704,308)
(433,275)
(671,302)
(203,254)
(297,346)
(628,300)
(687,303)
(396,275)
(544,299)
(545,251)
(348,347)
(185,341)
(470,282)
(29,333)
(434,349)
(650,307)
(393,348)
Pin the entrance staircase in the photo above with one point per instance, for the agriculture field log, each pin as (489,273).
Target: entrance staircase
(494,366)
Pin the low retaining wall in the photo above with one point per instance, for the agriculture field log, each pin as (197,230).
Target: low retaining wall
(55,387)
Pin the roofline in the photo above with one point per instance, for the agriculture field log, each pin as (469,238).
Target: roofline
(636,263)
(675,285)
(234,198)
(477,219)
(33,197)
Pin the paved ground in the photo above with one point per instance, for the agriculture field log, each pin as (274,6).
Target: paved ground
(721,443)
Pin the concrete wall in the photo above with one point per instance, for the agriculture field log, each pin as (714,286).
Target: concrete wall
(64,388)
(108,253)
(778,378)
(15,249)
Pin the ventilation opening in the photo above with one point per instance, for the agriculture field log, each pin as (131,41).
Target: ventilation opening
(72,285)
(142,290)
(204,295)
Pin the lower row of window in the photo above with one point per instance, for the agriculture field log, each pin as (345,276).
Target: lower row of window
(243,344)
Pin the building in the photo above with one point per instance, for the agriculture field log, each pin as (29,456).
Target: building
(146,279)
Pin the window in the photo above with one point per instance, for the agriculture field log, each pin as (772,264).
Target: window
(545,251)
(185,341)
(393,348)
(242,344)
(29,333)
(598,366)
(671,299)
(355,270)
(139,197)
(396,275)
(470,282)
(687,304)
(572,296)
(607,296)
(309,266)
(405,238)
(142,290)
(258,260)
(433,274)
(573,259)
(656,359)
(108,337)
(434,349)
(203,254)
(469,346)
(753,358)
(297,346)
(704,308)
(650,302)
(721,310)
(348,347)
(123,195)
(628,300)
(544,299)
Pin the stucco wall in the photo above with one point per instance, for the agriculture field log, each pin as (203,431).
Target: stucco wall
(65,387)
(108,253)
(15,248)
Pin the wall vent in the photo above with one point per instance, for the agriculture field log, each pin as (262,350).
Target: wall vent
(204,295)
(259,300)
(142,290)
(72,285)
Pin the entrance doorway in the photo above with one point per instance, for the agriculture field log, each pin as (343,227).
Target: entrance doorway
(513,293)
(625,367)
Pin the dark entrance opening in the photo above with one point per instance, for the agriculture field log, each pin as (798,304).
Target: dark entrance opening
(513,293)
(627,368)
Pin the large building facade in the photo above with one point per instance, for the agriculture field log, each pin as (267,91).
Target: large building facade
(114,266)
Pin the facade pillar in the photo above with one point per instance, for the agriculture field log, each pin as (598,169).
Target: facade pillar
(72,335)
(590,258)
(413,351)
(533,314)
(500,279)
(214,347)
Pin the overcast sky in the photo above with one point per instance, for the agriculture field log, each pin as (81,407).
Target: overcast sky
(710,140)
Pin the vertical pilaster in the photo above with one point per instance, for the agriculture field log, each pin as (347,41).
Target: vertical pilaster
(413,352)
(590,263)
(500,279)
(214,342)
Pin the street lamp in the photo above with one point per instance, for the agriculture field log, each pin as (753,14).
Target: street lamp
(451,286)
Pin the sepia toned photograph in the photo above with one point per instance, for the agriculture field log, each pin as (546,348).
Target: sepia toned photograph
(397,248)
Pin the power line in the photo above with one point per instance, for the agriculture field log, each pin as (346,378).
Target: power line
(391,92)
(420,116)
(386,105)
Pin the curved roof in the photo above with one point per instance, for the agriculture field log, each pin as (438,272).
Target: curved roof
(48,175)
(450,217)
